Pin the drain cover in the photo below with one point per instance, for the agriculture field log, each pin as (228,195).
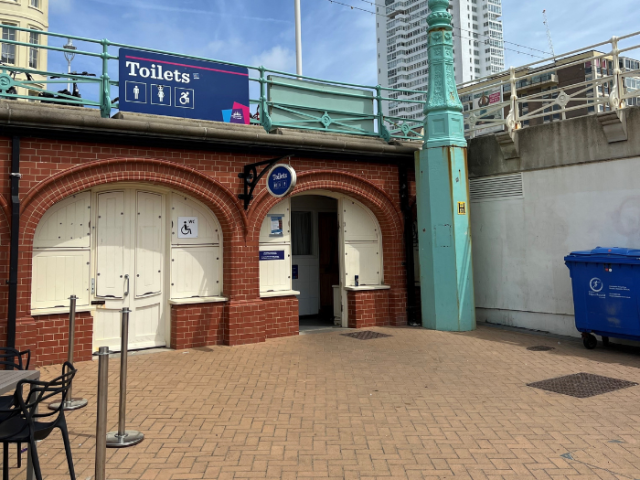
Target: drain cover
(582,385)
(365,335)
(540,348)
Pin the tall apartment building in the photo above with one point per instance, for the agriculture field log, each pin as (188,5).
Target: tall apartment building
(401,32)
(33,14)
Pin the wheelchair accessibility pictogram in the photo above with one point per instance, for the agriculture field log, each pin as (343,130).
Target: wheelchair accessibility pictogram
(187,227)
(185,97)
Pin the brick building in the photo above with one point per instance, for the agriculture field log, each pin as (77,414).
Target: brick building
(101,201)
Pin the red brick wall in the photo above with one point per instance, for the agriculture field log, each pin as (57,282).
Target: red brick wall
(52,170)
(197,325)
(246,322)
(369,308)
(281,316)
(47,337)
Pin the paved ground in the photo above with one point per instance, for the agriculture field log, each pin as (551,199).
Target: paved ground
(418,404)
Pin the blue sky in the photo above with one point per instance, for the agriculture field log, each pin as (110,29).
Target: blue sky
(338,43)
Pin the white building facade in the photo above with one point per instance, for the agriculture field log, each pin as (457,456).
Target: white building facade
(401,31)
(31,14)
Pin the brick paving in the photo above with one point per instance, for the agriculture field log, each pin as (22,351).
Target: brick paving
(418,404)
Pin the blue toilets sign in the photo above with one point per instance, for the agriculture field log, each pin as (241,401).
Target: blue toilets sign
(161,84)
(281,180)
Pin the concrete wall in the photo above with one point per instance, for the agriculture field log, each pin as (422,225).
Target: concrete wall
(579,192)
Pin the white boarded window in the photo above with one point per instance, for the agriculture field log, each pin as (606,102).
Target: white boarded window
(362,245)
(275,249)
(61,254)
(196,250)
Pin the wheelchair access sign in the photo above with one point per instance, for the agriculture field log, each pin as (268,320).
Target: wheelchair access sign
(161,84)
(187,227)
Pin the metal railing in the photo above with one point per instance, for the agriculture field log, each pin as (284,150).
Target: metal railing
(495,103)
(609,81)
(99,61)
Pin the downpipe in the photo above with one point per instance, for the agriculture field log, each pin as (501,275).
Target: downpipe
(15,232)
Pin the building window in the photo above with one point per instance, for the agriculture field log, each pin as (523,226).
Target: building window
(35,3)
(8,50)
(34,38)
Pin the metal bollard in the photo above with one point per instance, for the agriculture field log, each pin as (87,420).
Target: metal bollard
(123,437)
(101,423)
(71,403)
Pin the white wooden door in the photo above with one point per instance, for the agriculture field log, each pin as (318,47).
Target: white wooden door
(130,245)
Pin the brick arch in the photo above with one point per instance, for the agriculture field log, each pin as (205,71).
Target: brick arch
(206,189)
(366,192)
(209,191)
(374,198)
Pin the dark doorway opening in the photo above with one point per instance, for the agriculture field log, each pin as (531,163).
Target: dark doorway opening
(316,264)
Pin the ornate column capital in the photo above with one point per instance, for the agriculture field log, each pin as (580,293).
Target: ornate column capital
(443,105)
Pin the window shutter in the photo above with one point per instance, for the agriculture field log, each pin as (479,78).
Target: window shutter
(61,254)
(363,246)
(196,271)
(66,224)
(196,263)
(58,274)
(275,249)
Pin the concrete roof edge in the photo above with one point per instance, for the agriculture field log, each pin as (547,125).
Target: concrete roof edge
(58,117)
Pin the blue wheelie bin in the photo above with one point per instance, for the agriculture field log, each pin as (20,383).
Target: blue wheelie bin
(606,293)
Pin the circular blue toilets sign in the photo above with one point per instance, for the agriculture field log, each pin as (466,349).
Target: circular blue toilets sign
(281,180)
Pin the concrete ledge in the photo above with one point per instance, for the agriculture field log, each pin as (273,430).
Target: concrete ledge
(592,138)
(61,310)
(197,300)
(74,119)
(281,293)
(366,288)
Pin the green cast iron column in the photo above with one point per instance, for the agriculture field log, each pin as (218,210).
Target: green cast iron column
(446,274)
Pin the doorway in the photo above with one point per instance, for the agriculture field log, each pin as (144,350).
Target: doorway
(316,261)
(130,244)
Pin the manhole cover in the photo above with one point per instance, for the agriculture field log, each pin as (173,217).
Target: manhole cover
(540,348)
(582,385)
(365,335)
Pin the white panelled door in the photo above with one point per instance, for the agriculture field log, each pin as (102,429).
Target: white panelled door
(130,236)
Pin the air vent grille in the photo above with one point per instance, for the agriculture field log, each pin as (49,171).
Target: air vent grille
(503,187)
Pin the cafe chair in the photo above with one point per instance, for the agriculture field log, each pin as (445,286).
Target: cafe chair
(24,423)
(12,359)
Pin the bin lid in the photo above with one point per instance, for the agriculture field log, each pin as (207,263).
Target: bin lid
(606,255)
(607,251)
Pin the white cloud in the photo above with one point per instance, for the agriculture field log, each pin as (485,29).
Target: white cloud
(278,58)
(62,6)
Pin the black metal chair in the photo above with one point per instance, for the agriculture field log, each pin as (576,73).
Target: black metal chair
(12,359)
(25,424)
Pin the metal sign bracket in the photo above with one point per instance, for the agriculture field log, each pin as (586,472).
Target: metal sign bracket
(251,177)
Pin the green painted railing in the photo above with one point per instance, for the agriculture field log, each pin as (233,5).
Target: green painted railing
(300,107)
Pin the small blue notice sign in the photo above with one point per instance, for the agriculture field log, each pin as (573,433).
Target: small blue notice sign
(295,272)
(272,255)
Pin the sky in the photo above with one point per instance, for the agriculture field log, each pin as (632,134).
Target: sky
(338,43)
